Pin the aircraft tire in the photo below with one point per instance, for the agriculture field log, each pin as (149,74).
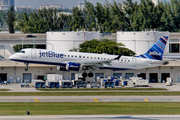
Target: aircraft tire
(84,74)
(90,74)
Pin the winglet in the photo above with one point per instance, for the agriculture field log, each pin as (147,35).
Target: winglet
(117,58)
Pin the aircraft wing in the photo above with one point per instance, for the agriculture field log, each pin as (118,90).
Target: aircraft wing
(97,64)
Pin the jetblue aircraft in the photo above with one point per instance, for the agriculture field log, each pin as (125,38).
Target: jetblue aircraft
(76,61)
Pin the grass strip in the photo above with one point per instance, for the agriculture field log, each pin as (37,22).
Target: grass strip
(97,89)
(4,89)
(87,93)
(95,108)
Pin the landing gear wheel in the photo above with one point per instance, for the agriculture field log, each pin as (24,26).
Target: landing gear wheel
(26,69)
(84,74)
(90,74)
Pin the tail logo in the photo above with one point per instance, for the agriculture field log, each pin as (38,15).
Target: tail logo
(155,53)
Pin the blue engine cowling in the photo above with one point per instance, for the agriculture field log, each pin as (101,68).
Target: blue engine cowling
(69,67)
(73,66)
(61,68)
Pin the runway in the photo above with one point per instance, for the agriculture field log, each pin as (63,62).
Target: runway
(90,99)
(93,117)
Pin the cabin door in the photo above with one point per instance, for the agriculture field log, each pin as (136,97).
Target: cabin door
(33,53)
(134,61)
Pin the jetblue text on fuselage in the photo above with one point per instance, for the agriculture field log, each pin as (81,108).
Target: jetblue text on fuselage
(51,54)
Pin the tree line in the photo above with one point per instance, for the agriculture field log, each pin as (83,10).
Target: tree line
(107,17)
(103,46)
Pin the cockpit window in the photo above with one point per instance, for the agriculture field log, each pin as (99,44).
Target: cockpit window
(21,51)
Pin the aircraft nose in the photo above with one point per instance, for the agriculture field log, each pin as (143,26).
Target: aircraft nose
(11,57)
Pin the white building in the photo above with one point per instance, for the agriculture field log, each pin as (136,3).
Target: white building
(6,4)
(66,41)
(22,8)
(50,7)
(81,5)
(140,42)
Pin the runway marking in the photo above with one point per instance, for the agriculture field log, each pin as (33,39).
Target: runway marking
(96,100)
(146,100)
(36,100)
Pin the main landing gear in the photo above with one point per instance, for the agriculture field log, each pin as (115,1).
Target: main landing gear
(90,74)
(26,69)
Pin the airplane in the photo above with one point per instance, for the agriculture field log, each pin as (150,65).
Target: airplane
(79,61)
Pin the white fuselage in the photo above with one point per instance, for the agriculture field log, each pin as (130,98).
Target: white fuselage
(52,57)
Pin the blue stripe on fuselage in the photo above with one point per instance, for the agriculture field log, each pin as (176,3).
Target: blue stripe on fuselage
(39,62)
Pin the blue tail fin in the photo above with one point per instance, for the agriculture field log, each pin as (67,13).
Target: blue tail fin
(157,50)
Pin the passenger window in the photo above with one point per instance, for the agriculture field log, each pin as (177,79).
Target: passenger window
(94,57)
(128,60)
(83,56)
(101,58)
(121,60)
(76,56)
(91,57)
(104,58)
(88,57)
(64,55)
(71,55)
(23,52)
(68,55)
(98,58)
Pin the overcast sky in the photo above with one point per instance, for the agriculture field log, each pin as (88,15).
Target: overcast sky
(65,3)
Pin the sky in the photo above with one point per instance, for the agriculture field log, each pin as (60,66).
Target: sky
(65,3)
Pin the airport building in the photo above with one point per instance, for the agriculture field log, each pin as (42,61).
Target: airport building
(139,42)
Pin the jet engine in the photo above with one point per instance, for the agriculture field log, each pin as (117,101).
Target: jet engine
(69,67)
(61,68)
(73,66)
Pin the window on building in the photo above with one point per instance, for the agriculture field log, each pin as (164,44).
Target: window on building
(174,46)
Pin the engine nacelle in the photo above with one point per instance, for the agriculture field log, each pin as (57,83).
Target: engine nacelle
(73,66)
(61,68)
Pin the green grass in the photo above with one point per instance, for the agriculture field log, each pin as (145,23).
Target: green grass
(94,108)
(86,93)
(98,89)
(4,89)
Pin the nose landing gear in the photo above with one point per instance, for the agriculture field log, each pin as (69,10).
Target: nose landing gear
(26,69)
